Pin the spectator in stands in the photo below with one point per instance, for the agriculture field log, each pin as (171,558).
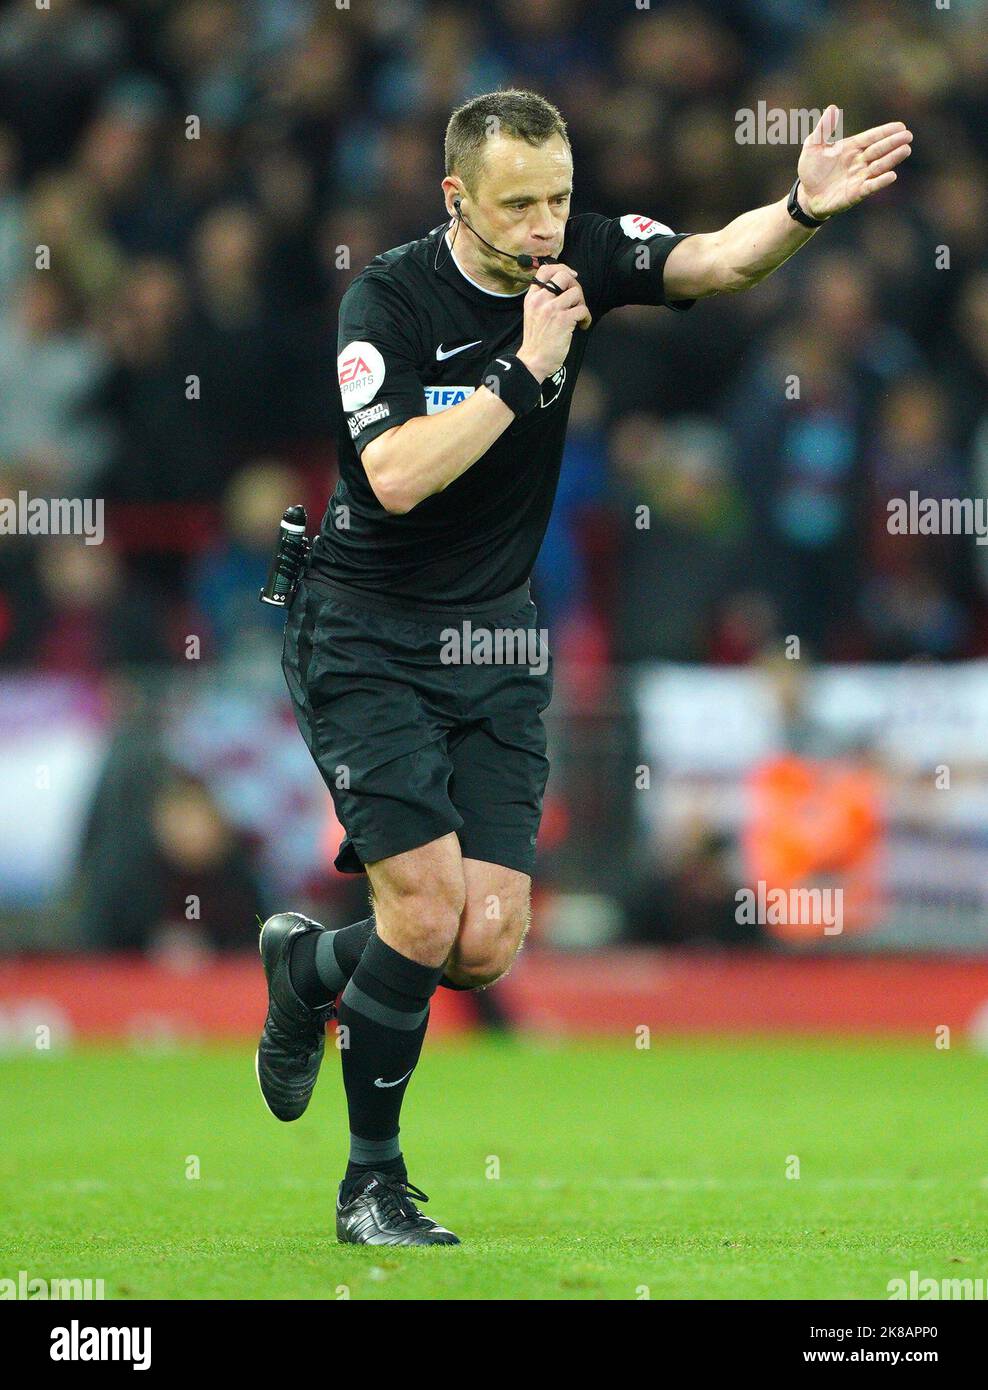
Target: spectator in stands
(561,573)
(227,578)
(218,254)
(682,536)
(161,452)
(187,886)
(240,350)
(914,597)
(51,368)
(89,618)
(692,902)
(13,219)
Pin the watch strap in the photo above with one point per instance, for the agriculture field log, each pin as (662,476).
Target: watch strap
(797,213)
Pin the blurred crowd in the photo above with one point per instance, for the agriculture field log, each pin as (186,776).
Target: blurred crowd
(187,187)
(202,180)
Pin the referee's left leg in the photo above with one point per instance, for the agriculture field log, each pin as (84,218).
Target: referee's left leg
(493,924)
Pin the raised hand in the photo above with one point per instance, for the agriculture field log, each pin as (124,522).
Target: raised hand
(835,176)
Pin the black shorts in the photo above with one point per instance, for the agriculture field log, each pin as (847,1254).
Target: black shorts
(423,723)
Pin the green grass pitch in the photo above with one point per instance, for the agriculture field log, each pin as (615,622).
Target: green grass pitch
(579,1170)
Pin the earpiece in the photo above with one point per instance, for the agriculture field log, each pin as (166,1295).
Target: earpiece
(525,261)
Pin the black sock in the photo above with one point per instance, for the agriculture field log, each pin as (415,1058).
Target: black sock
(385,1011)
(348,947)
(355,1171)
(302,971)
(321,962)
(349,944)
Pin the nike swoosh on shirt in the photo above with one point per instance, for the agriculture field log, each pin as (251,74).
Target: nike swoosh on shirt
(379,1081)
(441,356)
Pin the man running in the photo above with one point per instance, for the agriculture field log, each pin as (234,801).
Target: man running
(412,650)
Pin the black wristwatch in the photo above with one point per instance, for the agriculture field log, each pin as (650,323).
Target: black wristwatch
(797,213)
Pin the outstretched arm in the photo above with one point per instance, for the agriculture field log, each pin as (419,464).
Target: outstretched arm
(833,177)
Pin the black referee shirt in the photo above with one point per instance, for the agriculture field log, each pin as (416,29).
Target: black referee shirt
(414,340)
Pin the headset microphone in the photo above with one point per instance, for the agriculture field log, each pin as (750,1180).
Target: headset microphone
(524,260)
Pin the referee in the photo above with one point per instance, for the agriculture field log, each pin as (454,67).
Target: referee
(413,654)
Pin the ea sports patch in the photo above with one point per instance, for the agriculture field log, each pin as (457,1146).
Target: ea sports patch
(361,371)
(634,224)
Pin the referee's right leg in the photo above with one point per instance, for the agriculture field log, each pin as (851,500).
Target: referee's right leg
(380,747)
(419,897)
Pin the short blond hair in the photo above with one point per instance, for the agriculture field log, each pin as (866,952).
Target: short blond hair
(522,115)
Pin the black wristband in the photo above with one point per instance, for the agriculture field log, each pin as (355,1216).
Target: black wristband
(797,213)
(513,383)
